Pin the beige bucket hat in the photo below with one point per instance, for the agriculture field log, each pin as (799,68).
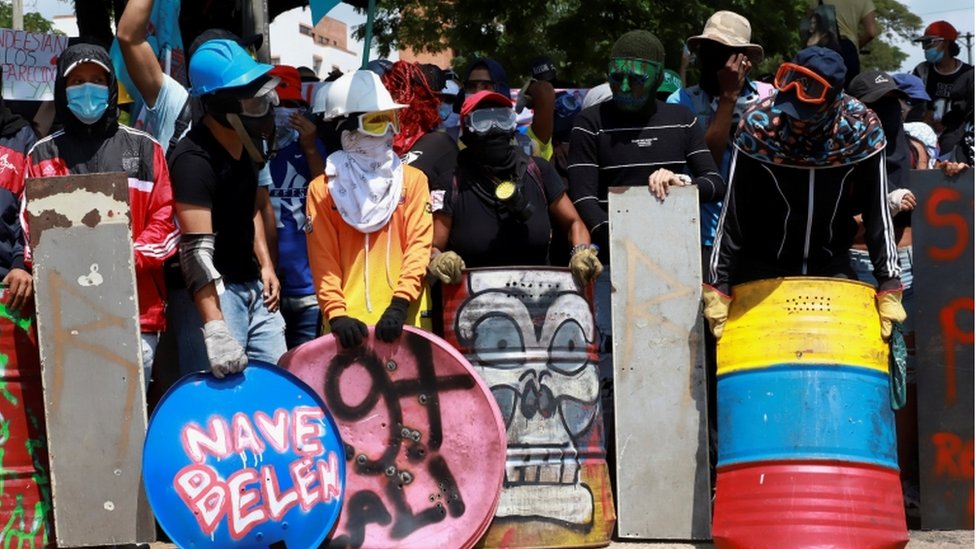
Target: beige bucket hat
(729,29)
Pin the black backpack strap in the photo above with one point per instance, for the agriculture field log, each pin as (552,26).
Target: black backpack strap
(180,125)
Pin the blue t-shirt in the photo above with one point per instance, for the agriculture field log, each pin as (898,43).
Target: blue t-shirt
(290,178)
(160,119)
(704,106)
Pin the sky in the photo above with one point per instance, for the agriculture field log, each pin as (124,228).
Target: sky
(958,12)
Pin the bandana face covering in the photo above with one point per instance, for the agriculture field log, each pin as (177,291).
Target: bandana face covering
(365,180)
(633,82)
(844,132)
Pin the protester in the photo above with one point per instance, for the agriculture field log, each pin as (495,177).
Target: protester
(417,142)
(168,114)
(940,70)
(913,110)
(857,28)
(92,141)
(725,56)
(878,91)
(450,120)
(369,222)
(215,181)
(504,205)
(635,139)
(806,161)
(486,74)
(16,138)
(300,159)
(957,134)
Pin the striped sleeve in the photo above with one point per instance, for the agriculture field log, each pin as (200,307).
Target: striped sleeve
(159,237)
(584,173)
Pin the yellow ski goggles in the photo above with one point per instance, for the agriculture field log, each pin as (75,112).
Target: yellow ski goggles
(376,123)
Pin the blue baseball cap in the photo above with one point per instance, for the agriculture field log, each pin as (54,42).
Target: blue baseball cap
(823,61)
(912,86)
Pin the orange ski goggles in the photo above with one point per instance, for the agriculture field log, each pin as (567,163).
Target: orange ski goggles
(810,87)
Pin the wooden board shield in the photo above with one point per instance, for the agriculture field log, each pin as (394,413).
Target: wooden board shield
(425,443)
(530,333)
(663,488)
(942,236)
(88,329)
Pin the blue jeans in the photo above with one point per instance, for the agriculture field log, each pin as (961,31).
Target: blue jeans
(261,333)
(302,319)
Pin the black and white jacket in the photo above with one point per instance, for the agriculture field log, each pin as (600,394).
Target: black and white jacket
(780,220)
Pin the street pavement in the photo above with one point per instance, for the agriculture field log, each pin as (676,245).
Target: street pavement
(952,539)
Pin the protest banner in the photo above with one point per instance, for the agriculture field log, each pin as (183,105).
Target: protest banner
(30,64)
(251,460)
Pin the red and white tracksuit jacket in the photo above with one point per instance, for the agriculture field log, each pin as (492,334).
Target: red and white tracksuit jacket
(155,236)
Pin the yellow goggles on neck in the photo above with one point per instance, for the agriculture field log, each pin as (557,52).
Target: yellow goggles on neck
(376,123)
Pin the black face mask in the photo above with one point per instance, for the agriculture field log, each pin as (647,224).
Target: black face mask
(494,150)
(255,132)
(261,131)
(888,110)
(712,58)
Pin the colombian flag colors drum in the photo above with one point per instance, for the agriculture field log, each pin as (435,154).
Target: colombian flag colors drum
(806,454)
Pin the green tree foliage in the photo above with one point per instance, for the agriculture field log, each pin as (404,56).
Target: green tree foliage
(894,22)
(579,35)
(33,21)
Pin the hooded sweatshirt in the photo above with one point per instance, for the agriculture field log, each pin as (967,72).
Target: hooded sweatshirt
(357,274)
(105,146)
(16,138)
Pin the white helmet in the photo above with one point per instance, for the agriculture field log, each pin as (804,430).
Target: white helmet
(320,100)
(358,91)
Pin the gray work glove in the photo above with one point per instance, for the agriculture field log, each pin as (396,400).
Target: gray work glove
(447,267)
(225,353)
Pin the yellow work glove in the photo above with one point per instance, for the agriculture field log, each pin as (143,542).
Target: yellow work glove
(584,264)
(716,309)
(890,310)
(447,267)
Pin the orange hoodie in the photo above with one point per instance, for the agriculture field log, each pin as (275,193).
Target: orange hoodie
(358,274)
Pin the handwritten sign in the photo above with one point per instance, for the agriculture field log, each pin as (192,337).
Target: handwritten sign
(942,232)
(251,460)
(30,64)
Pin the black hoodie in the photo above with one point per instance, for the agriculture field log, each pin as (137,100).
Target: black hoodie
(109,122)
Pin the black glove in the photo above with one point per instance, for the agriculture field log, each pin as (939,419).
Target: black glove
(349,331)
(390,325)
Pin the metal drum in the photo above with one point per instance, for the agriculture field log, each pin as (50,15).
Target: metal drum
(806,454)
(531,335)
(25,488)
